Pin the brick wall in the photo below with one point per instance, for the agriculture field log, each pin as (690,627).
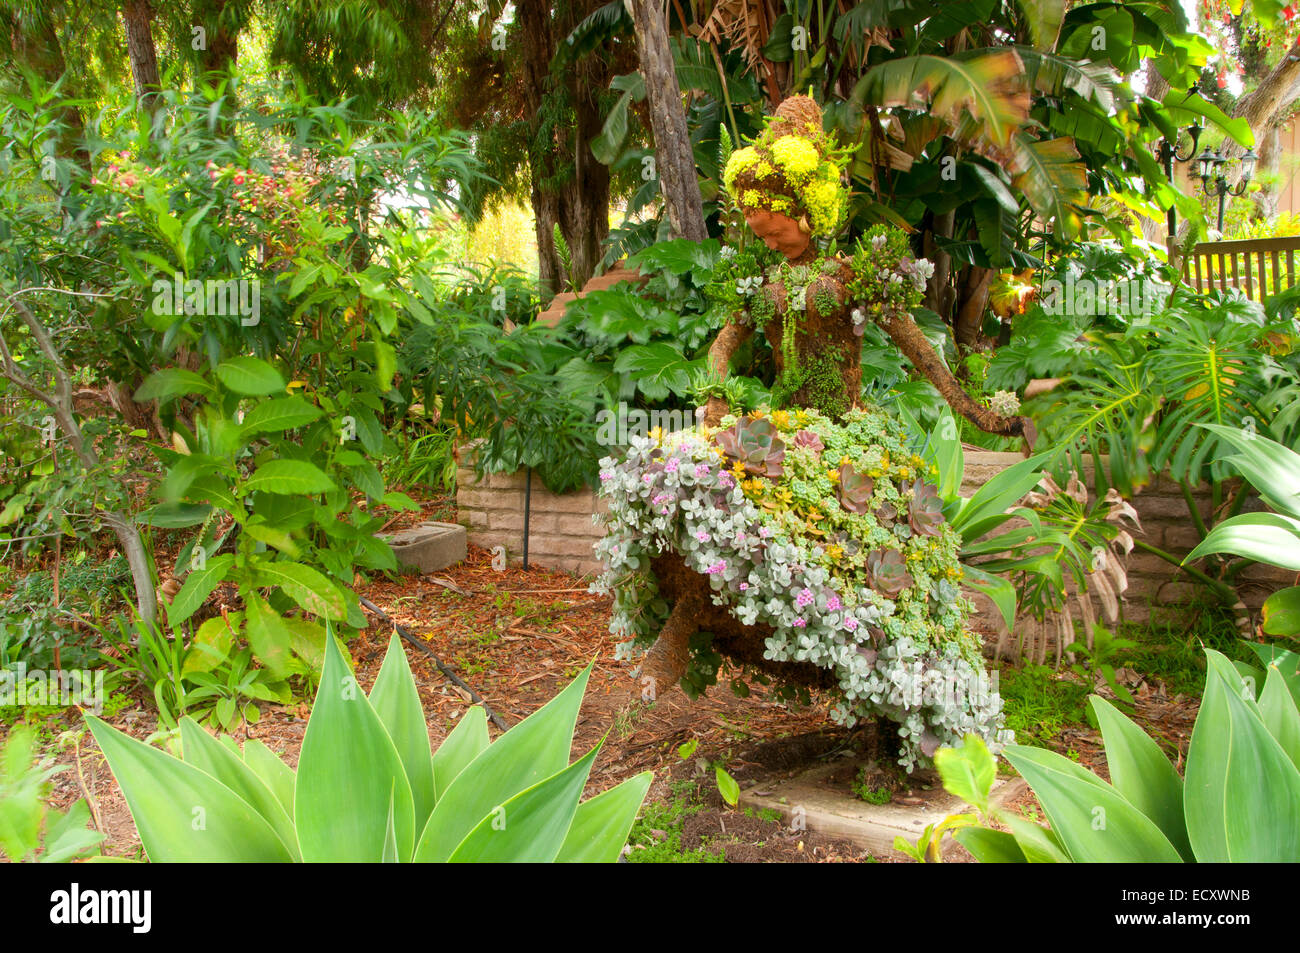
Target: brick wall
(561,531)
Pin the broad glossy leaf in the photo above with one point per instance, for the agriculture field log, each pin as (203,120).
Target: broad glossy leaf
(289,478)
(184,814)
(532,825)
(397,702)
(305,586)
(283,413)
(1094,823)
(534,749)
(1241,792)
(250,376)
(209,755)
(347,773)
(1140,772)
(1281,717)
(197,587)
(968,771)
(1267,537)
(1037,843)
(268,636)
(275,774)
(601,825)
(1282,612)
(989,846)
(466,742)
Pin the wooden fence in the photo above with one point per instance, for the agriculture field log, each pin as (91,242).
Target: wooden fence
(1261,267)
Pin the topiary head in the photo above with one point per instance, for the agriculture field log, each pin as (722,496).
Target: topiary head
(787,182)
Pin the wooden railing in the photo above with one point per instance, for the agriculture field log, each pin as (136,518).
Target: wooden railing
(1260,267)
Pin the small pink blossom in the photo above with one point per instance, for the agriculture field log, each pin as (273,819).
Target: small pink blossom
(799,623)
(744,586)
(850,623)
(719,566)
(702,536)
(701,469)
(833,604)
(804,598)
(671,465)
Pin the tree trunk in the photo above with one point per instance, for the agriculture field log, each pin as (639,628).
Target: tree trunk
(1270,153)
(137,18)
(579,203)
(972,300)
(37,47)
(674,159)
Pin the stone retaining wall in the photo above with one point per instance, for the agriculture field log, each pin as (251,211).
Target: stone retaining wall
(561,531)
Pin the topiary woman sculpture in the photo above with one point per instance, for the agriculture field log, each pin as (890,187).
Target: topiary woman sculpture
(804,543)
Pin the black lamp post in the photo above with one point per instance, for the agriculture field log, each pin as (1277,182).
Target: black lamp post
(1169,154)
(1214,180)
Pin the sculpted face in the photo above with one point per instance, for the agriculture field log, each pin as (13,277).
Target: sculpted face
(779,232)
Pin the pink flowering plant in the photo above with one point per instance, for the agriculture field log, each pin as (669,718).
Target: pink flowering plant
(852,583)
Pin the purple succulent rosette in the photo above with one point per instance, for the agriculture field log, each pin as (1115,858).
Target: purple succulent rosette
(893,632)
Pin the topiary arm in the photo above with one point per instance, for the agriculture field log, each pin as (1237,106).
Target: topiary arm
(728,341)
(911,340)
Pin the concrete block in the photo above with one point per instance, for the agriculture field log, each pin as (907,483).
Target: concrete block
(429,547)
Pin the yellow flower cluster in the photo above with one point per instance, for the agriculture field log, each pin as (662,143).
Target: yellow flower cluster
(813,179)
(796,157)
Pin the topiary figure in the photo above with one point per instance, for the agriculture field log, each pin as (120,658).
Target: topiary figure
(793,572)
(803,542)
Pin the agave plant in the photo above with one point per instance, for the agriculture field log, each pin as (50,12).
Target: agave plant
(368,788)
(854,489)
(1272,538)
(889,575)
(925,514)
(1238,799)
(754,443)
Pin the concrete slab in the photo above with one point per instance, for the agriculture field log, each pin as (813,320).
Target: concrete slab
(808,799)
(430,546)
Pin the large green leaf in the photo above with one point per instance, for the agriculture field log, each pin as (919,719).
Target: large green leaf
(601,826)
(990,846)
(275,774)
(1052,178)
(1271,468)
(182,813)
(467,741)
(531,751)
(998,588)
(397,702)
(348,771)
(171,382)
(305,586)
(1093,821)
(1241,792)
(197,587)
(1281,717)
(250,376)
(268,636)
(289,478)
(1281,612)
(968,771)
(1267,537)
(532,825)
(209,755)
(283,413)
(1140,772)
(985,86)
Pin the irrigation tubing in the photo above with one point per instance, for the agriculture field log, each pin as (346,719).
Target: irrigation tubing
(427,649)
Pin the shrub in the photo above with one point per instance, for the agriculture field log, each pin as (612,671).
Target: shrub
(367,787)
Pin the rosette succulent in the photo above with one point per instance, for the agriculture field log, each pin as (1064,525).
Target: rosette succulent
(855,489)
(755,445)
(888,572)
(815,562)
(925,514)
